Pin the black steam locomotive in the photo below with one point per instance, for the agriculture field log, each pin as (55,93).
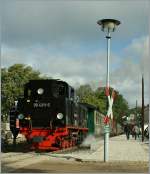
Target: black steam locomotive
(49,115)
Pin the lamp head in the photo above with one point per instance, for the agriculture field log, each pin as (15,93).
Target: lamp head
(108,25)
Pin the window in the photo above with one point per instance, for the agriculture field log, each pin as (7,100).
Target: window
(58,90)
(28,92)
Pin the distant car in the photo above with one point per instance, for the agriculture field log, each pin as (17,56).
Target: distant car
(146,132)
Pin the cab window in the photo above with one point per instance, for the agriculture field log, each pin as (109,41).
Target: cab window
(58,90)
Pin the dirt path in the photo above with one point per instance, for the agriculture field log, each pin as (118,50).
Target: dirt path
(86,167)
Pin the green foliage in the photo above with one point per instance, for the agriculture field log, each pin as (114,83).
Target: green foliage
(96,98)
(13,80)
(120,107)
(99,99)
(85,93)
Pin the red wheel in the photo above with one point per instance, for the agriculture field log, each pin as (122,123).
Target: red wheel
(62,144)
(71,143)
(67,144)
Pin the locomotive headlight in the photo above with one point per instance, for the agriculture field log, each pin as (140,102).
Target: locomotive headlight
(20,116)
(40,91)
(60,116)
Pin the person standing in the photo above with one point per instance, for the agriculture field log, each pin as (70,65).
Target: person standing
(127,131)
(132,131)
(136,131)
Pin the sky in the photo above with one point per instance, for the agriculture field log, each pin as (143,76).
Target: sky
(62,40)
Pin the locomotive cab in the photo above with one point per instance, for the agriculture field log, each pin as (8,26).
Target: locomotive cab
(44,103)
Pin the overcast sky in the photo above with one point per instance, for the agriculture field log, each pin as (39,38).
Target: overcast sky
(61,39)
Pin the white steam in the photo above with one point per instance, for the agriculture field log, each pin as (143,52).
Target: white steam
(92,142)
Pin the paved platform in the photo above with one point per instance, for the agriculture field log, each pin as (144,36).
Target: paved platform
(120,149)
(128,150)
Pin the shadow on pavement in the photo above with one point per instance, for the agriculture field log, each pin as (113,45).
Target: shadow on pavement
(20,147)
(5,169)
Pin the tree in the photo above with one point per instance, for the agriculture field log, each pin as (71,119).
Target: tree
(84,92)
(120,108)
(96,98)
(13,80)
(100,100)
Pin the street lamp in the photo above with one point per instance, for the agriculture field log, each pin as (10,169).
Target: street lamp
(108,26)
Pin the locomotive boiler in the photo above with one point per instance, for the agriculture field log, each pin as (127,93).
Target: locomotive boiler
(49,116)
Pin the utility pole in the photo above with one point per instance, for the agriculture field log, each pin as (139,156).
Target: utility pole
(136,114)
(142,113)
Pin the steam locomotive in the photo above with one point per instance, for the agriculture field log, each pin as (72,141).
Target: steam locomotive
(49,115)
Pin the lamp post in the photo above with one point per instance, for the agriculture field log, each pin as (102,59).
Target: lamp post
(108,26)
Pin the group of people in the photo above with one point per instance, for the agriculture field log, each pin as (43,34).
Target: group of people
(133,130)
